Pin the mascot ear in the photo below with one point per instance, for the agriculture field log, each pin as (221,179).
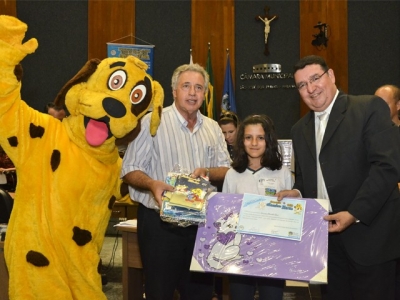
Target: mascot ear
(140,64)
(82,76)
(158,100)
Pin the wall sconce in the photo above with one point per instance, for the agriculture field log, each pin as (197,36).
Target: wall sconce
(321,39)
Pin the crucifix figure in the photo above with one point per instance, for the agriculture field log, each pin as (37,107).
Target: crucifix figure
(266,19)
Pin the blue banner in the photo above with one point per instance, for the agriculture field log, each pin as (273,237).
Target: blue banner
(143,52)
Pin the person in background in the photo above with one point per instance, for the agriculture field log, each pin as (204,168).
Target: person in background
(6,165)
(196,143)
(55,111)
(257,169)
(391,95)
(359,161)
(229,122)
(8,176)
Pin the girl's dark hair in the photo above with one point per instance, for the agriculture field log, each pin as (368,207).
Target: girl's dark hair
(272,158)
(227,117)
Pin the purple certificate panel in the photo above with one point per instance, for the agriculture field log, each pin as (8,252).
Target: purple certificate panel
(220,249)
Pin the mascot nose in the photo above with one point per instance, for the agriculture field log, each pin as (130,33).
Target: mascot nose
(114,108)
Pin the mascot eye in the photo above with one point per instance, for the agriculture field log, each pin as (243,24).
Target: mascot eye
(117,80)
(138,94)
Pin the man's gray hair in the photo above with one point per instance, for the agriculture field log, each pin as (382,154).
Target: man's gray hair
(190,67)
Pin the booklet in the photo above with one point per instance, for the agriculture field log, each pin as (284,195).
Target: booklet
(189,192)
(186,205)
(264,215)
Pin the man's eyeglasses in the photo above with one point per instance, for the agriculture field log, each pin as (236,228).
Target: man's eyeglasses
(197,87)
(312,80)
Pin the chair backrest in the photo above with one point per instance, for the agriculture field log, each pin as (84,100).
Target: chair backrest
(6,205)
(11,184)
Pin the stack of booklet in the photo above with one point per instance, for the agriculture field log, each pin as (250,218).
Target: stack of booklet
(186,205)
(127,223)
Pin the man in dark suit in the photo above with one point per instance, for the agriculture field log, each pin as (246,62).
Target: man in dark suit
(359,164)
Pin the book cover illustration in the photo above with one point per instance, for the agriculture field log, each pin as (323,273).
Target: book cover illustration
(189,192)
(186,205)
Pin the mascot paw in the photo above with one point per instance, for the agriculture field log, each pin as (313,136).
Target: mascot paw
(12,49)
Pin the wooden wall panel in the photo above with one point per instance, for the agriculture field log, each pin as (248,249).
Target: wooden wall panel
(338,42)
(214,22)
(333,13)
(109,21)
(8,7)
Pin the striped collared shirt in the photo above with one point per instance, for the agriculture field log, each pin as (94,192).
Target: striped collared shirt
(172,145)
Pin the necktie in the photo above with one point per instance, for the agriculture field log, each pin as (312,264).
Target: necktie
(323,120)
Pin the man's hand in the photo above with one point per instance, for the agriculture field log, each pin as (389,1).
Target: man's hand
(340,221)
(287,194)
(157,188)
(139,180)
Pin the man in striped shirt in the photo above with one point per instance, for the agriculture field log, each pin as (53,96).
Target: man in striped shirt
(196,143)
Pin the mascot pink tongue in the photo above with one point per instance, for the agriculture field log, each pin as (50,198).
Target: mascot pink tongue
(96,133)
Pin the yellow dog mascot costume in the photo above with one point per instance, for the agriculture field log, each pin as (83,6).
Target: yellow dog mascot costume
(68,172)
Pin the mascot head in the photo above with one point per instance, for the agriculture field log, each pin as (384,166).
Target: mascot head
(107,99)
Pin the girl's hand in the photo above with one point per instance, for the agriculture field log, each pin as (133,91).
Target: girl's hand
(287,193)
(201,172)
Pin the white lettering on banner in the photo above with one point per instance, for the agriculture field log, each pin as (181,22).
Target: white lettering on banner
(139,53)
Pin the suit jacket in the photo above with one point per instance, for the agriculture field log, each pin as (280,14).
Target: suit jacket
(360,162)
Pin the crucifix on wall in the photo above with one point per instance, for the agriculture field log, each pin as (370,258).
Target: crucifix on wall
(267,19)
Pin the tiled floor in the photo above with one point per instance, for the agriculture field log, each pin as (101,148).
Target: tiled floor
(111,256)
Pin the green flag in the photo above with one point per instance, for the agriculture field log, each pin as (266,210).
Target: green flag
(211,109)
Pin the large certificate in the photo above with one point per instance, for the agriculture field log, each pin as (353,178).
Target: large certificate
(264,215)
(220,248)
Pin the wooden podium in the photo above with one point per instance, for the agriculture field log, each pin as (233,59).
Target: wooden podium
(132,274)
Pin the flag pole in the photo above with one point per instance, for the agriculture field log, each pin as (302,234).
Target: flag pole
(210,99)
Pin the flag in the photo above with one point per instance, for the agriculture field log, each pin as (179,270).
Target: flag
(228,93)
(203,108)
(210,105)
